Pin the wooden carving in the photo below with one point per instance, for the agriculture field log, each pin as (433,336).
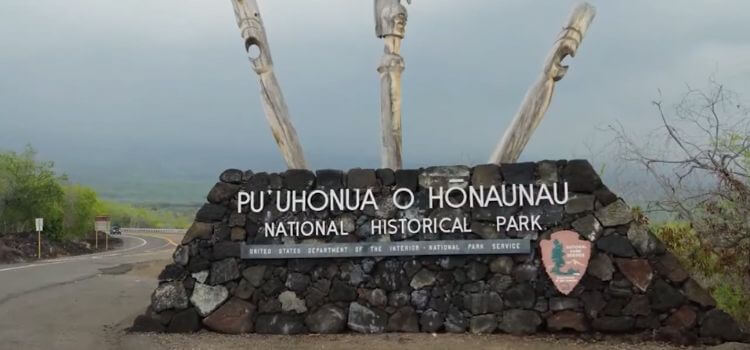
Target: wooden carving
(390,25)
(538,97)
(253,33)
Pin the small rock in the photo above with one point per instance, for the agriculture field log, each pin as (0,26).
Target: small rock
(377,297)
(547,171)
(520,296)
(365,320)
(518,173)
(224,271)
(486,175)
(483,324)
(682,319)
(445,177)
(234,317)
(567,320)
(327,319)
(221,192)
(299,179)
(520,321)
(143,323)
(423,278)
(430,321)
(476,271)
(616,245)
(588,227)
(637,271)
(170,295)
(254,275)
(719,324)
(297,282)
(581,176)
(328,179)
(563,303)
(503,264)
(361,178)
(615,324)
(579,203)
(601,267)
(643,241)
(695,293)
(185,321)
(279,324)
(290,302)
(638,306)
(405,319)
(201,276)
(664,297)
(671,268)
(232,176)
(407,178)
(455,322)
(615,214)
(207,298)
(181,255)
(198,230)
(420,298)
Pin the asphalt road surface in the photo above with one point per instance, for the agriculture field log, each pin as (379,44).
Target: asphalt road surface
(75,302)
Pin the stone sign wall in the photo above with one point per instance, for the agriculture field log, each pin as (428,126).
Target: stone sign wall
(631,284)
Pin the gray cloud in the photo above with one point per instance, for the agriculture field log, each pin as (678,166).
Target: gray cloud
(164,86)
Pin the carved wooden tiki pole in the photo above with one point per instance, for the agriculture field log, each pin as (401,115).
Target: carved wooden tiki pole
(538,97)
(251,28)
(390,24)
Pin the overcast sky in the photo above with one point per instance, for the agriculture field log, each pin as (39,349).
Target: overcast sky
(165,87)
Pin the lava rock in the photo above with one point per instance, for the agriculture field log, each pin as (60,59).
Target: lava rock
(637,271)
(299,179)
(580,203)
(520,321)
(483,324)
(719,324)
(405,319)
(290,302)
(223,271)
(221,192)
(616,245)
(455,322)
(581,176)
(185,321)
(254,275)
(234,317)
(486,175)
(476,271)
(588,227)
(279,324)
(172,272)
(563,303)
(330,179)
(297,282)
(643,241)
(617,213)
(232,176)
(181,255)
(209,213)
(664,297)
(601,267)
(520,296)
(170,295)
(143,323)
(518,173)
(341,291)
(407,178)
(386,176)
(327,319)
(198,230)
(361,178)
(365,320)
(567,320)
(207,298)
(445,177)
(503,265)
(683,318)
(638,306)
(431,321)
(614,324)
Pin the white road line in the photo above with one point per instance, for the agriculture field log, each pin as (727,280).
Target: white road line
(78,258)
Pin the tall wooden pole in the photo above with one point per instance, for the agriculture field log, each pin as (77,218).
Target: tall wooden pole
(253,32)
(538,97)
(390,25)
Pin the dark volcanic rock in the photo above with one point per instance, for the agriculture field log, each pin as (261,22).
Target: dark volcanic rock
(581,176)
(617,245)
(361,178)
(601,267)
(567,320)
(185,321)
(198,230)
(210,212)
(365,320)
(299,179)
(330,179)
(386,176)
(638,306)
(431,321)
(326,319)
(232,176)
(227,249)
(664,297)
(614,324)
(172,272)
(221,192)
(341,291)
(234,317)
(223,271)
(405,319)
(719,324)
(483,324)
(520,321)
(170,295)
(279,324)
(637,271)
(143,323)
(486,175)
(695,293)
(407,178)
(455,322)
(520,296)
(518,173)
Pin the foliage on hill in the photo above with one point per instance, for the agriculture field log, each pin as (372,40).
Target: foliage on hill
(30,188)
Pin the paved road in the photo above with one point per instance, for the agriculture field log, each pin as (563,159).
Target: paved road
(71,303)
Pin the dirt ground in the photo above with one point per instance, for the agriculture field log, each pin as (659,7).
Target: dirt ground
(206,340)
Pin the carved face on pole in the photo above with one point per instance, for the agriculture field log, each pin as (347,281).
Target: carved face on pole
(252,31)
(390,18)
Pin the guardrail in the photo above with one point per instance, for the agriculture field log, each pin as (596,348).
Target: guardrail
(153,230)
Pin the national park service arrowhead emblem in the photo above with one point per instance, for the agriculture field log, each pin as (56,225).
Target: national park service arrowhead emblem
(565,256)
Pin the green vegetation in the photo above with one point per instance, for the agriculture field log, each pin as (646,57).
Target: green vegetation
(30,188)
(723,277)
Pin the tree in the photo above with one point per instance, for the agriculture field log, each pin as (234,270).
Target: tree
(558,257)
(702,165)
